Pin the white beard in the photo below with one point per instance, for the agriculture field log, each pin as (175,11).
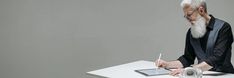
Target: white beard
(198,29)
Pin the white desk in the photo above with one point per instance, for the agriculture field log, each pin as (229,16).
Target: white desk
(127,71)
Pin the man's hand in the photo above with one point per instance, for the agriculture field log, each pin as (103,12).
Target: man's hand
(161,63)
(169,65)
(203,66)
(176,72)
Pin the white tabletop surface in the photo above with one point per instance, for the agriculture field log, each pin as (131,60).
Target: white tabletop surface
(127,71)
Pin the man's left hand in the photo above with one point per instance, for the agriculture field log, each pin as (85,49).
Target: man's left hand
(176,72)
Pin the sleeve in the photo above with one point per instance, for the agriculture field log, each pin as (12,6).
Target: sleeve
(222,45)
(189,56)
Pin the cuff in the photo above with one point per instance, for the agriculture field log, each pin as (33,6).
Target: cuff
(184,61)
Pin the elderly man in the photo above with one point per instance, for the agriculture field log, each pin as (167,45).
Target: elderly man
(209,40)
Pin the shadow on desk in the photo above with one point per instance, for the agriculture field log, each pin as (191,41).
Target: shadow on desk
(211,73)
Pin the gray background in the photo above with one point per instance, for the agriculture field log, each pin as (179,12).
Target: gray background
(66,38)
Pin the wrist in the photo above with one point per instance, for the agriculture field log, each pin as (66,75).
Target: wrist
(169,65)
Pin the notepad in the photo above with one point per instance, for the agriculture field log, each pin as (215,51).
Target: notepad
(153,71)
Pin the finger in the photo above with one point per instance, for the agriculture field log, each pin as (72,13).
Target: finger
(158,63)
(172,72)
(175,72)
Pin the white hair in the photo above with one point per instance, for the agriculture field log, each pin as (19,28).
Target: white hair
(193,3)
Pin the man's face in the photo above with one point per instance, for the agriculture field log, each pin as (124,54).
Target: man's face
(190,14)
(197,22)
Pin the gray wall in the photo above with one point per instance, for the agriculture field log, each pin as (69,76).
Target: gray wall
(66,38)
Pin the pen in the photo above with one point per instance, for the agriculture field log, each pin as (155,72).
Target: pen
(158,60)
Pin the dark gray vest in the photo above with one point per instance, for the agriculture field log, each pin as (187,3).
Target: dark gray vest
(202,55)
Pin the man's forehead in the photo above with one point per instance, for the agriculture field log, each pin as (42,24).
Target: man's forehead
(187,7)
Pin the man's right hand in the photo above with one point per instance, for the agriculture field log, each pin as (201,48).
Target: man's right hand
(161,63)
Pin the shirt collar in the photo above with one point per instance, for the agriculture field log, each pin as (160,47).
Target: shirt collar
(211,23)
